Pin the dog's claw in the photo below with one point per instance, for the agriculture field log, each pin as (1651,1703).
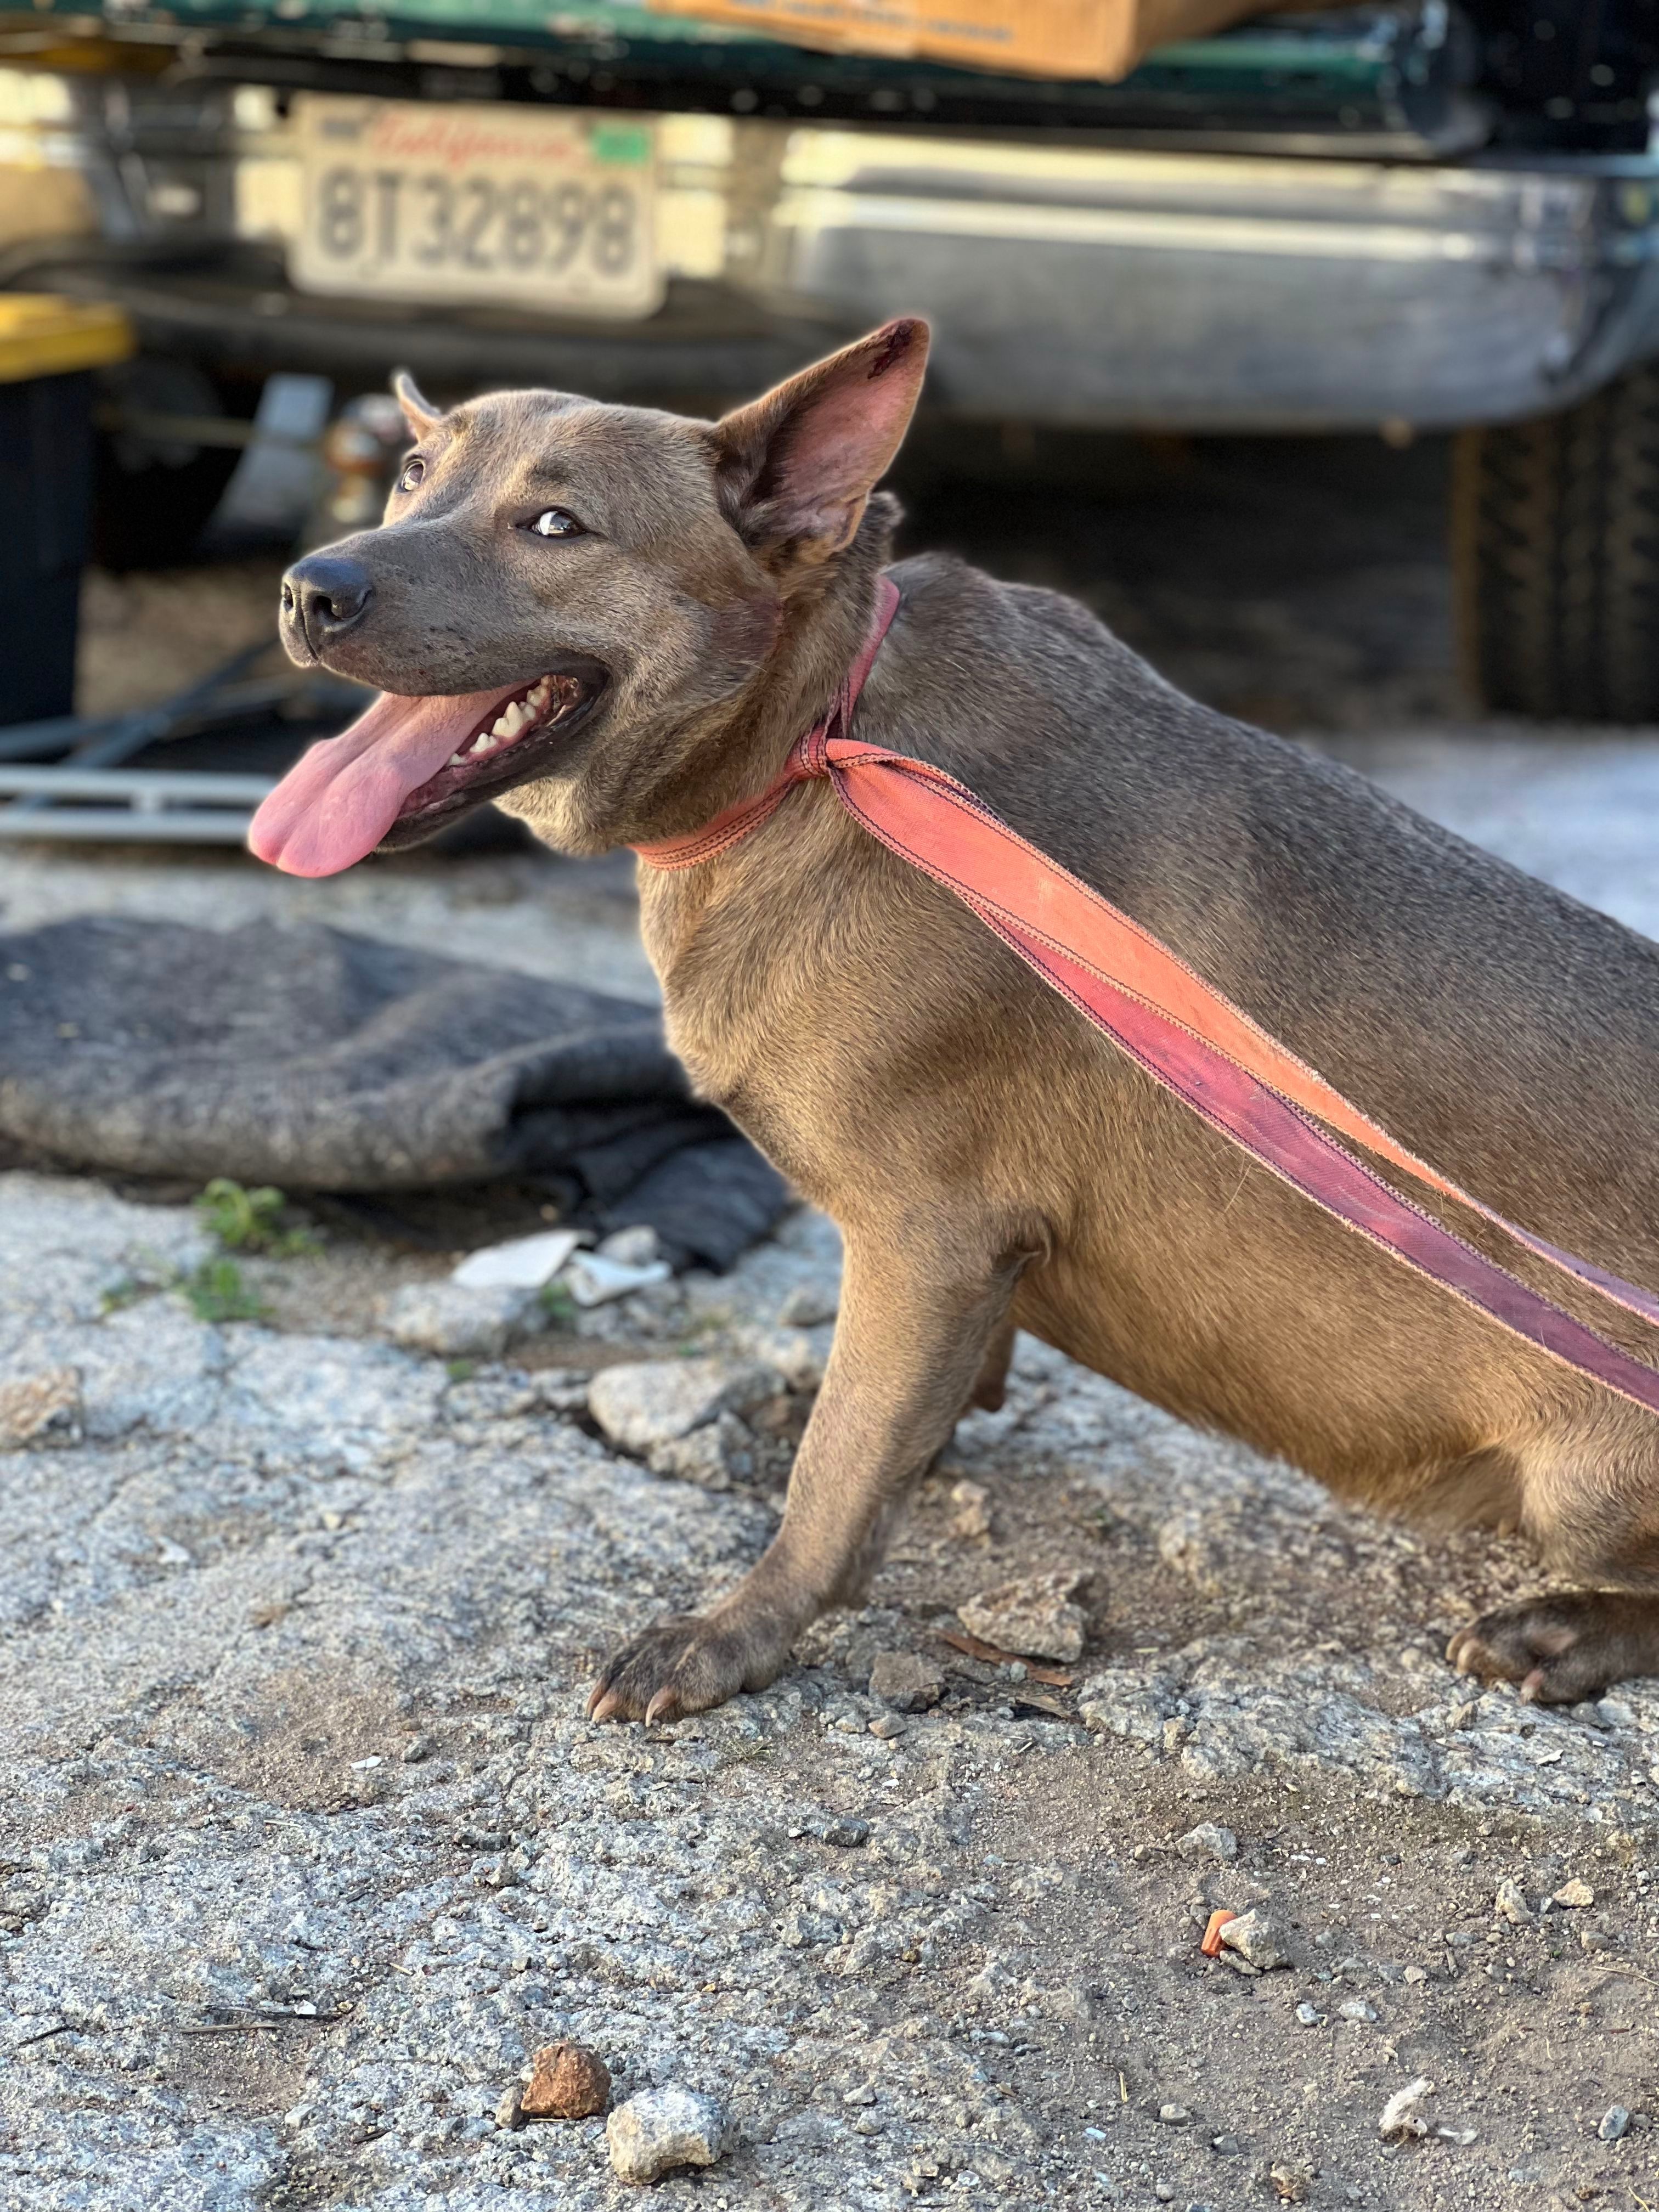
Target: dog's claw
(1556,1651)
(684,1667)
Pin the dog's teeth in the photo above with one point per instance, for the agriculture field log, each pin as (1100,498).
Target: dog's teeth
(454,760)
(481,745)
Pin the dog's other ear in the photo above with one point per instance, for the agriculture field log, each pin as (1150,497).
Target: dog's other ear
(796,467)
(419,414)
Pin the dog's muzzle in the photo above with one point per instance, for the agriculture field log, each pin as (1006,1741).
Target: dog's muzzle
(323,597)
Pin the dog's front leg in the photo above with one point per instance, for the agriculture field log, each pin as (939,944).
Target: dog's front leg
(916,1322)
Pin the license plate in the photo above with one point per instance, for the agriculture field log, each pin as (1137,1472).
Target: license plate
(518,206)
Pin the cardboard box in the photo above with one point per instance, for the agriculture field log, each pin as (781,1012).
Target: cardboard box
(1031,38)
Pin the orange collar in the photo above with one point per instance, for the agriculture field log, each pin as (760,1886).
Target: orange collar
(808,757)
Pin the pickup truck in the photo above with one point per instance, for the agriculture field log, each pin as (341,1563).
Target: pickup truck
(1397,218)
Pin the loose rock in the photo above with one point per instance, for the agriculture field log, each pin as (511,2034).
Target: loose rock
(660,2128)
(1206,1841)
(458,1322)
(809,1305)
(1614,2121)
(1511,1904)
(972,1516)
(509,2113)
(37,1407)
(568,2081)
(713,1457)
(907,1682)
(1401,2117)
(1574,1895)
(644,1404)
(1261,1936)
(1035,1617)
(638,1247)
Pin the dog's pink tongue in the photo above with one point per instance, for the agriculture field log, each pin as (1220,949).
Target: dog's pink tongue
(335,805)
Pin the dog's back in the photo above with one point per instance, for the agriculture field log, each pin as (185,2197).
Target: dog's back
(1496,1025)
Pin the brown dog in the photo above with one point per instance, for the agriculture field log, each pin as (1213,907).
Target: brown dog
(673,601)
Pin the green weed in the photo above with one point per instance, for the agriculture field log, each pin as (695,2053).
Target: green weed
(244,1220)
(216,1292)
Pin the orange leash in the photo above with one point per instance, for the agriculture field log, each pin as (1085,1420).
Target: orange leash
(1183,1032)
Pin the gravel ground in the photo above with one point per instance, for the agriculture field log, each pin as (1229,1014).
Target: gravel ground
(306,1846)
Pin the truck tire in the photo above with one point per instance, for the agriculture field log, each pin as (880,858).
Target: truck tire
(1555,556)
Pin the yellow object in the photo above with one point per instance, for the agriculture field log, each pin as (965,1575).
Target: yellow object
(1044,37)
(42,335)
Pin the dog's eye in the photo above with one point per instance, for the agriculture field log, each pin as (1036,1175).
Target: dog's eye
(413,471)
(555,523)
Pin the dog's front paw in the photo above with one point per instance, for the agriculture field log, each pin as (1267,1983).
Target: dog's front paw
(1560,1650)
(680,1666)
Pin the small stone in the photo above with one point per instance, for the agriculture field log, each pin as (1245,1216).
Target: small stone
(1206,1841)
(1224,2146)
(887,1726)
(1401,2117)
(1289,2184)
(509,2113)
(1163,2193)
(907,1682)
(1034,1617)
(1356,2008)
(972,1517)
(457,1322)
(643,1404)
(638,1247)
(845,1831)
(1415,1975)
(661,2128)
(809,1305)
(1574,1895)
(1072,2005)
(38,1408)
(1309,2014)
(1511,1904)
(713,1457)
(1174,2116)
(561,1389)
(1614,2121)
(1261,1936)
(799,1355)
(567,2082)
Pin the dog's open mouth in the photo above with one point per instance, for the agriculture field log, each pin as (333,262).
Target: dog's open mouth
(408,765)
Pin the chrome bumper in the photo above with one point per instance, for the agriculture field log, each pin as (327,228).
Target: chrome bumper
(1222,292)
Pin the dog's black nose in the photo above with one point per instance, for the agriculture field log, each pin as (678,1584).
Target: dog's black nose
(323,596)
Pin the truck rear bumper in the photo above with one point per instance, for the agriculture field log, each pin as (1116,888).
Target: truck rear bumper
(1229,293)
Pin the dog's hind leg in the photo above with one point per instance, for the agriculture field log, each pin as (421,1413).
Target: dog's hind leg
(914,1330)
(1591,1498)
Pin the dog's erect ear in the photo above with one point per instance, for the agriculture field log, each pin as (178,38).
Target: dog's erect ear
(419,414)
(796,467)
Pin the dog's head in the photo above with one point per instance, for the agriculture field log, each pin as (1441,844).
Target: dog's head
(561,594)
